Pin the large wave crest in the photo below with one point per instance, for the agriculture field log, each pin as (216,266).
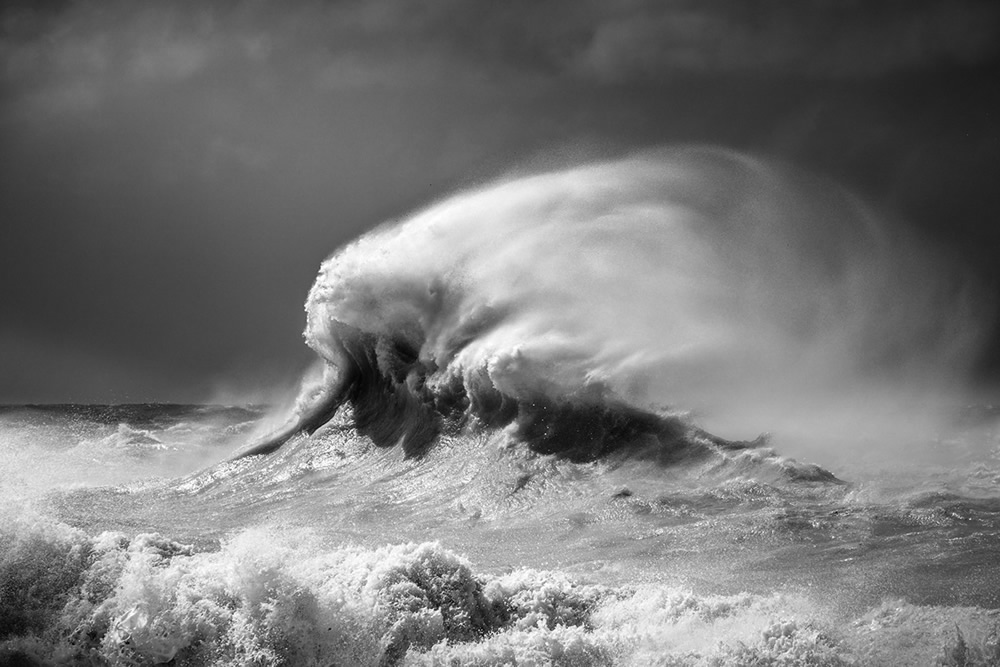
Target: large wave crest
(598,303)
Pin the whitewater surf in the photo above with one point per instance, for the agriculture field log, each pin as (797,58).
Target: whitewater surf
(534,435)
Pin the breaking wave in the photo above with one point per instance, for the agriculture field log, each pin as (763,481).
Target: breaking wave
(268,598)
(618,303)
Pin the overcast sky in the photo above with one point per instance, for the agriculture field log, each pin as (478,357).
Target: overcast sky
(173,173)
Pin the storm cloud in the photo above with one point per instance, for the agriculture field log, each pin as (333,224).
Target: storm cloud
(173,173)
(92,47)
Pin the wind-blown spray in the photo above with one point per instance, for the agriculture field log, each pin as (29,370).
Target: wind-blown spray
(668,282)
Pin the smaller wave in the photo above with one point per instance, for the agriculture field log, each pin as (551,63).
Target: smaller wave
(269,598)
(139,415)
(127,438)
(68,446)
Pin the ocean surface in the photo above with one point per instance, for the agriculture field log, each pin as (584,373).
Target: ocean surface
(130,537)
(677,409)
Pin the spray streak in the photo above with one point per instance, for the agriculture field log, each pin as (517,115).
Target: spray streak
(663,283)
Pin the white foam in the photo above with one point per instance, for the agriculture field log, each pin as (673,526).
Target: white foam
(283,597)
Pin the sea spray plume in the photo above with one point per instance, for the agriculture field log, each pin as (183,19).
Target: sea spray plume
(599,302)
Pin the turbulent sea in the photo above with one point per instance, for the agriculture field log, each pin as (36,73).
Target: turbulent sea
(533,436)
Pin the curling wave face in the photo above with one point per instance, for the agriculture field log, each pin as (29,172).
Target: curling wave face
(599,304)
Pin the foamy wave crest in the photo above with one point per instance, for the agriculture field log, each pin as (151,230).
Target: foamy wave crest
(278,598)
(588,305)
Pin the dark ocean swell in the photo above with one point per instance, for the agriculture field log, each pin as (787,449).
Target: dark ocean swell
(384,388)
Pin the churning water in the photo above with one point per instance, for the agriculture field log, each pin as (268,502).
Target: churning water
(533,435)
